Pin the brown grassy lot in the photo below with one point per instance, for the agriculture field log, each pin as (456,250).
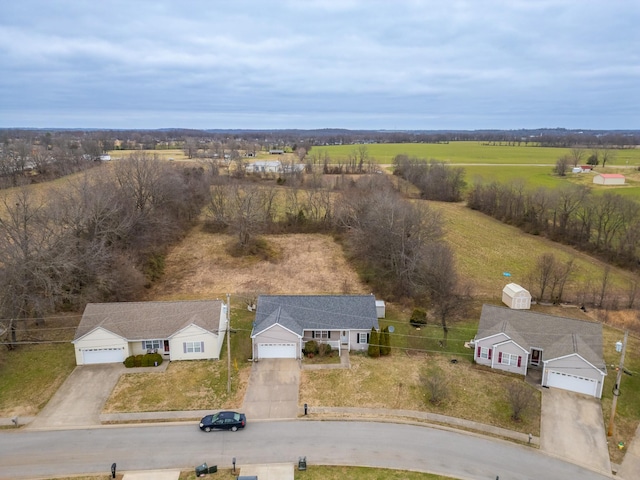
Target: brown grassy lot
(393,382)
(199,387)
(200,268)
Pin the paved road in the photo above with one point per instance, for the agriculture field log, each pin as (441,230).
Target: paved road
(32,454)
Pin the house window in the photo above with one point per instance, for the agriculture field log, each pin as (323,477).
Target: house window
(193,347)
(363,338)
(321,334)
(484,353)
(509,359)
(151,344)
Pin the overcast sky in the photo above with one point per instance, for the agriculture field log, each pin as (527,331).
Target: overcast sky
(358,64)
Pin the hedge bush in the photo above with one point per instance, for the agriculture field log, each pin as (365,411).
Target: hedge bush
(311,347)
(146,360)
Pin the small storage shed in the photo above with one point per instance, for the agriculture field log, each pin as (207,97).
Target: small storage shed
(516,297)
(609,179)
(380,308)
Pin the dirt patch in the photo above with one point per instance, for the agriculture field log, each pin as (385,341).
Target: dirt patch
(200,267)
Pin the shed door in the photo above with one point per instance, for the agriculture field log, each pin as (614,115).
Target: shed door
(573,383)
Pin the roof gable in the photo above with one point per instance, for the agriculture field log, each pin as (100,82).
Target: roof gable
(316,312)
(557,336)
(149,320)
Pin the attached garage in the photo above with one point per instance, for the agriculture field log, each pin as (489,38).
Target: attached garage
(277,350)
(574,383)
(102,355)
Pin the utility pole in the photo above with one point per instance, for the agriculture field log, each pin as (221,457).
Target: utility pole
(228,344)
(616,387)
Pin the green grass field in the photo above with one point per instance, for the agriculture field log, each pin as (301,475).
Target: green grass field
(470,153)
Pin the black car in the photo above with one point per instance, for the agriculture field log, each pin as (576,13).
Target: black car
(223,421)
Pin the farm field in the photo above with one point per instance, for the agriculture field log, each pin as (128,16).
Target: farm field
(470,153)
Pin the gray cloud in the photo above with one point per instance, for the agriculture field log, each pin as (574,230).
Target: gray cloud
(325,63)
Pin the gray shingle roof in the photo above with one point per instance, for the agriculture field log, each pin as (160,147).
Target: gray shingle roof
(558,336)
(316,312)
(149,320)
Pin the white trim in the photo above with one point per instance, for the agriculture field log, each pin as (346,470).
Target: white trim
(102,329)
(273,325)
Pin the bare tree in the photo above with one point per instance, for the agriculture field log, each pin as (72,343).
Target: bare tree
(521,399)
(562,166)
(608,156)
(436,385)
(576,155)
(35,261)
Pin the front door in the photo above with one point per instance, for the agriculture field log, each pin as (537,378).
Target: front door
(166,347)
(344,337)
(535,357)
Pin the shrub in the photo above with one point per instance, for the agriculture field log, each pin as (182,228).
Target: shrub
(138,360)
(155,357)
(385,342)
(435,383)
(324,349)
(311,348)
(418,317)
(374,344)
(130,362)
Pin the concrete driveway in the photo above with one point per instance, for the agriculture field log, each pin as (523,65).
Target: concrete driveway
(572,428)
(273,390)
(79,401)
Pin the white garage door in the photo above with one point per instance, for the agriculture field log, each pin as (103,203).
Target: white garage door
(574,383)
(277,350)
(103,355)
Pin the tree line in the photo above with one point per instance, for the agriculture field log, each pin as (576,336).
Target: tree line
(607,224)
(99,237)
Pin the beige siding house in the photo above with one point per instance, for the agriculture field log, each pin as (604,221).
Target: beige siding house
(568,352)
(187,330)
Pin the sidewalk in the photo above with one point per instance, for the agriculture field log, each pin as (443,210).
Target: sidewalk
(630,466)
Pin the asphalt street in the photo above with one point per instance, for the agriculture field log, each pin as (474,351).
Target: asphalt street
(50,453)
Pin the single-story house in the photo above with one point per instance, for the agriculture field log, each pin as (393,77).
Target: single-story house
(568,351)
(609,179)
(186,330)
(285,322)
(516,297)
(586,168)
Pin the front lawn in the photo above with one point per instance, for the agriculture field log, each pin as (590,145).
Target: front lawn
(31,374)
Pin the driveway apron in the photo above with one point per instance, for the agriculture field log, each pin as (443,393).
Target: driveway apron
(79,401)
(273,390)
(572,428)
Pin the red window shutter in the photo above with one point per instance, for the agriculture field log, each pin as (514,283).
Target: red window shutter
(499,357)
(489,354)
(519,361)
(478,351)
